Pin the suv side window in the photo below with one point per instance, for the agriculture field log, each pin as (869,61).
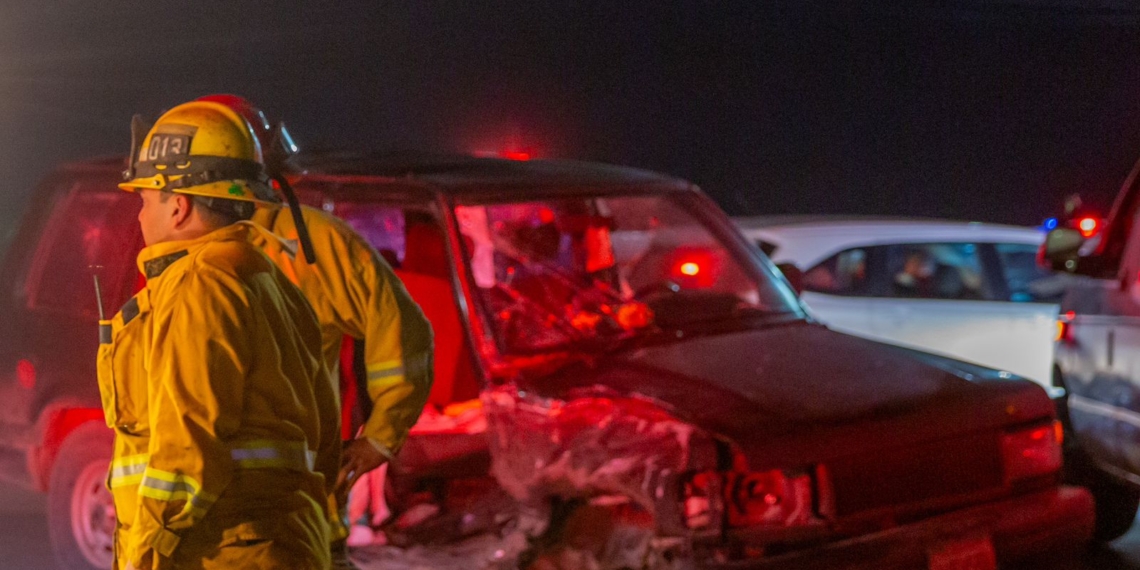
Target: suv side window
(414,242)
(1027,281)
(90,233)
(844,273)
(949,271)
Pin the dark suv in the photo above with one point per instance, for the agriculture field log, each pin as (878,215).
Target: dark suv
(623,349)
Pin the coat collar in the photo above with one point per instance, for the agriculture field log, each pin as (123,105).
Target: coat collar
(153,260)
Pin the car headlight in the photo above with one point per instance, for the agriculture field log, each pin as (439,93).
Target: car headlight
(741,499)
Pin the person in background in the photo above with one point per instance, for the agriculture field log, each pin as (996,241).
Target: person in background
(915,278)
(354,293)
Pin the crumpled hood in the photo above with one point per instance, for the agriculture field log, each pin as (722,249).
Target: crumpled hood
(802,392)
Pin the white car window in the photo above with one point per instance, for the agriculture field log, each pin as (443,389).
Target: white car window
(844,273)
(1028,282)
(951,271)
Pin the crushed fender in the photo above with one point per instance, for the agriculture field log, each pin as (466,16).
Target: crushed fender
(595,442)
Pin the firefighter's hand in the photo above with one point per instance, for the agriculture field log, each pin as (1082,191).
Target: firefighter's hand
(358,458)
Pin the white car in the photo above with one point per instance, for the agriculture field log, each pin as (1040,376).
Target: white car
(967,290)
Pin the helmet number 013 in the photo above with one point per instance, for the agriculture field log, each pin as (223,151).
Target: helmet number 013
(165,146)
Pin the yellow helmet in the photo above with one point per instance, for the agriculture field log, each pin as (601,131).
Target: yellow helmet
(201,148)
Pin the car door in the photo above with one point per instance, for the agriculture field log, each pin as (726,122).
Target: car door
(836,289)
(1034,295)
(940,298)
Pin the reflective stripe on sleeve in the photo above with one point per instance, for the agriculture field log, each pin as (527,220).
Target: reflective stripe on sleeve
(267,454)
(387,372)
(166,486)
(128,470)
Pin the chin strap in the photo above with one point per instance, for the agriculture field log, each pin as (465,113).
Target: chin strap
(276,156)
(298,218)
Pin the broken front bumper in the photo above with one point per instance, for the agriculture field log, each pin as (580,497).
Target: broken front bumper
(1056,520)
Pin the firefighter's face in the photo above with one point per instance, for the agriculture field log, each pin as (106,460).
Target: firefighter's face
(157,216)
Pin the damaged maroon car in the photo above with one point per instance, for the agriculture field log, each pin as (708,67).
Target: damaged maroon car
(614,364)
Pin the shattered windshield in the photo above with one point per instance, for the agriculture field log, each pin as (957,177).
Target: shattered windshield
(556,273)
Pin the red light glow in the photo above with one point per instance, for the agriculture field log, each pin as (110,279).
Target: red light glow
(1062,332)
(694,268)
(516,155)
(1088,226)
(1031,453)
(26,374)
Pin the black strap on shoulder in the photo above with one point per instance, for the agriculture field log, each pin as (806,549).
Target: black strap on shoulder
(298,219)
(278,153)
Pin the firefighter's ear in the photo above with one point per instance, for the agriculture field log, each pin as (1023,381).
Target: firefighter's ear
(180,209)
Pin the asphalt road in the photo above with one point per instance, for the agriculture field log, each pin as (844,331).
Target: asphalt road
(24,543)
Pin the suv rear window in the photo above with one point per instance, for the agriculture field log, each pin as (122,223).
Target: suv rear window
(90,233)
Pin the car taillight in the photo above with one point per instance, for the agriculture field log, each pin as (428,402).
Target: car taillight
(1031,452)
(1064,331)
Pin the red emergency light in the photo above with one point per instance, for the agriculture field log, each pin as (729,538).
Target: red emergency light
(515,155)
(694,268)
(1088,226)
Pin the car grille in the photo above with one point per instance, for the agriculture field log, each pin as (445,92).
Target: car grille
(915,474)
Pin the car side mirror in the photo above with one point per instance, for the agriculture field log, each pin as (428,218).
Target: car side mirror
(1061,250)
(794,276)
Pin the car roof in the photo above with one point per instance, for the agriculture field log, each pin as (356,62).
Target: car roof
(456,174)
(806,240)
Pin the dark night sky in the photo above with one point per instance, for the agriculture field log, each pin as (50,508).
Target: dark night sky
(991,110)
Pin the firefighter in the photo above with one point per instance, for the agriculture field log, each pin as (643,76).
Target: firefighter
(225,415)
(354,293)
